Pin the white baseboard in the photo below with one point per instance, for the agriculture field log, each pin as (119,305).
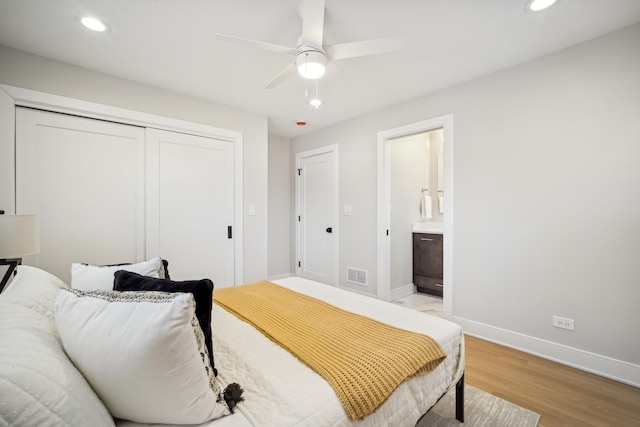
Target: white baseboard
(358,289)
(604,366)
(280,276)
(402,291)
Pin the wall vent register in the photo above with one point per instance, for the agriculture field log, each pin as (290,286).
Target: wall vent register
(357,276)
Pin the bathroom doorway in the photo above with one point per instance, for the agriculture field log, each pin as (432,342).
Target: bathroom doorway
(417,202)
(415,189)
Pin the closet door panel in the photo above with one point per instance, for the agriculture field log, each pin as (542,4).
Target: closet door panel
(190,205)
(85,180)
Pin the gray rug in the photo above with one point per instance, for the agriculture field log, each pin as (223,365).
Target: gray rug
(480,409)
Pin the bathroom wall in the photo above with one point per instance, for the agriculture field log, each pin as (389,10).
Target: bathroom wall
(435,183)
(410,171)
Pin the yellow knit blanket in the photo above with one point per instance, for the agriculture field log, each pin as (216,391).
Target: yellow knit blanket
(364,360)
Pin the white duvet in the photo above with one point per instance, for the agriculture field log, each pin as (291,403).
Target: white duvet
(281,391)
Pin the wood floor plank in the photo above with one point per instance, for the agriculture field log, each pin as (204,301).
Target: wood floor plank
(563,396)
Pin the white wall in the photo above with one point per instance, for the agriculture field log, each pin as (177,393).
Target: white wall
(547,200)
(280,194)
(37,73)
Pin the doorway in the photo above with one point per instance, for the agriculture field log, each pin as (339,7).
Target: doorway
(384,228)
(317,215)
(416,196)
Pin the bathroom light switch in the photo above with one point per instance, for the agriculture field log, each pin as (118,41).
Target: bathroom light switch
(347,210)
(252,210)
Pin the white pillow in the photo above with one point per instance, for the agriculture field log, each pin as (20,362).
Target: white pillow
(39,386)
(143,353)
(86,277)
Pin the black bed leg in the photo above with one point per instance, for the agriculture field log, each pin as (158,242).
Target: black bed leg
(460,399)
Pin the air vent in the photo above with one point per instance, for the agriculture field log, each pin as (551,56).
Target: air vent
(357,276)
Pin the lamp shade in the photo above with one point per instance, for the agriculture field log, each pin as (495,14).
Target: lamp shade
(19,236)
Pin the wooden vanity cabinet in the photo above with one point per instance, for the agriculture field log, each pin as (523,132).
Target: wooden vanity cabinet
(427,263)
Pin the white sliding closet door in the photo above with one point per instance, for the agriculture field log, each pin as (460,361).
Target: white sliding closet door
(85,180)
(190,190)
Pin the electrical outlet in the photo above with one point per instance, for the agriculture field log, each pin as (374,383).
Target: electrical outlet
(563,322)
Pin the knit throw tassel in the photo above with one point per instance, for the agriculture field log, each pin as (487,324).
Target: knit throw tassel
(233,395)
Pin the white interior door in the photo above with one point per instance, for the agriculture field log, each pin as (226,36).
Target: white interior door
(84,178)
(190,189)
(317,215)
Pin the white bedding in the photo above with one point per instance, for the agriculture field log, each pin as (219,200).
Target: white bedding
(281,391)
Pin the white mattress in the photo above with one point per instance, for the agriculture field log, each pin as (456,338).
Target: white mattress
(282,391)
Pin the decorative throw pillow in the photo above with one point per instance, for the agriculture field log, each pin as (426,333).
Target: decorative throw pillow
(87,277)
(143,353)
(163,271)
(202,291)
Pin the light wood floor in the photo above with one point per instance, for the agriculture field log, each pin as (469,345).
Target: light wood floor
(563,396)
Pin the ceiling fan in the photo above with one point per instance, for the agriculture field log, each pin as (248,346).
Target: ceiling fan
(311,55)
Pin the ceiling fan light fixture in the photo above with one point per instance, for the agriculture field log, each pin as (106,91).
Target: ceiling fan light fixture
(311,64)
(538,5)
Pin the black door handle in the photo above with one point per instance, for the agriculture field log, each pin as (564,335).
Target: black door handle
(329,230)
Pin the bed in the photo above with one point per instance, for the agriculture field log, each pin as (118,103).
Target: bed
(282,391)
(41,385)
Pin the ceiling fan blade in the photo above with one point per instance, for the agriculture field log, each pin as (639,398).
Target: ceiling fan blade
(260,45)
(313,22)
(365,48)
(290,69)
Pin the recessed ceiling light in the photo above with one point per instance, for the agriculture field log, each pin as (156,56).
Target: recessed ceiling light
(538,5)
(94,24)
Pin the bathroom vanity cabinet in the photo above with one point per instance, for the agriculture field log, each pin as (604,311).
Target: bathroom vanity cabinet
(427,263)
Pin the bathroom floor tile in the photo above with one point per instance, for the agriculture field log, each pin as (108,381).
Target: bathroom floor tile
(422,302)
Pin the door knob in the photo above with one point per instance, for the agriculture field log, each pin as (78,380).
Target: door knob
(329,230)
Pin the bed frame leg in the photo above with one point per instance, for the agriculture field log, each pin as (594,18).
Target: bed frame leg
(460,399)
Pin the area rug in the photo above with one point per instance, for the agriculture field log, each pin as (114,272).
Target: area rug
(480,409)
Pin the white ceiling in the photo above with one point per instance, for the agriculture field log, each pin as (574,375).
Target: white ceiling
(170,44)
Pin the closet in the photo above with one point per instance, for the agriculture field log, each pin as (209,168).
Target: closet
(110,193)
